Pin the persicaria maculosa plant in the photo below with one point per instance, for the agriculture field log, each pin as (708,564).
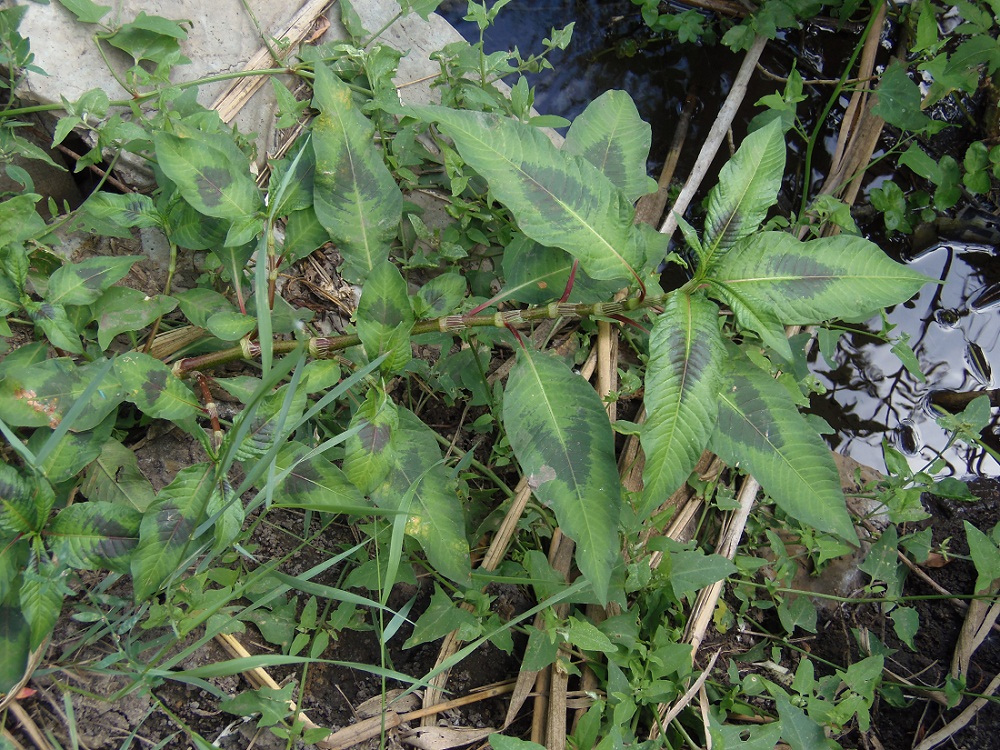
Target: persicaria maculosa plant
(558,213)
(701,389)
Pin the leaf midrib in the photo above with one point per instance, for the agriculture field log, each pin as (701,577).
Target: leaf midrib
(774,448)
(588,227)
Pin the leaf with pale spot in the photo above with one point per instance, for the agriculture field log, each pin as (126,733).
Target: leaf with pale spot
(42,393)
(435,516)
(535,274)
(561,436)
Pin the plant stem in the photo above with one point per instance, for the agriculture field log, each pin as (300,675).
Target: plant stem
(860,599)
(821,121)
(324,347)
(55,107)
(382,30)
(486,470)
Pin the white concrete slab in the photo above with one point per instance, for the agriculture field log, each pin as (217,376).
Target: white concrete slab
(223,38)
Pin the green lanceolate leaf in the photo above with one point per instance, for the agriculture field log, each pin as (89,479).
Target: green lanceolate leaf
(114,477)
(315,483)
(612,136)
(422,8)
(41,394)
(748,187)
(17,512)
(89,536)
(82,283)
(15,646)
(441,617)
(53,321)
(72,452)
(558,199)
(303,234)
(114,214)
(153,387)
(210,172)
(267,423)
(42,593)
(806,282)
(199,304)
(898,101)
(354,194)
(691,570)
(563,442)
(122,309)
(760,429)
(384,317)
(167,528)
(686,355)
(227,514)
(368,452)
(440,296)
(229,325)
(753,318)
(291,184)
(20,221)
(14,552)
(9,296)
(419,484)
(193,230)
(86,11)
(799,730)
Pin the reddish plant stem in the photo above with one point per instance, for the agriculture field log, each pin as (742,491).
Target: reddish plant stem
(569,281)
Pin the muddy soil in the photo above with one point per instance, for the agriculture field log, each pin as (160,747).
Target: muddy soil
(99,688)
(110,708)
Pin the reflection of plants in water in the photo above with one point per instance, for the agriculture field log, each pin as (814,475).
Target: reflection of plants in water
(953,335)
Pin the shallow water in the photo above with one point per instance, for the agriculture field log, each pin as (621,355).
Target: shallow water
(954,328)
(659,77)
